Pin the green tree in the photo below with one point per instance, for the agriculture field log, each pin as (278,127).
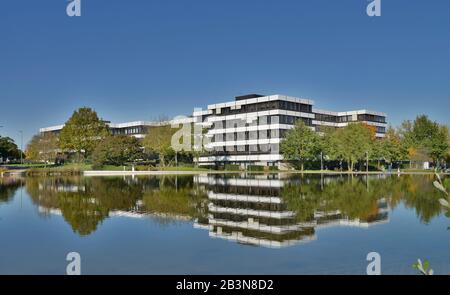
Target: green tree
(158,141)
(439,144)
(424,137)
(301,144)
(392,148)
(8,187)
(424,129)
(43,147)
(82,132)
(351,143)
(117,150)
(9,149)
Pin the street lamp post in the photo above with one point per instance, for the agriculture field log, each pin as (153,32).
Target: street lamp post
(367,162)
(1,158)
(21,147)
(321,161)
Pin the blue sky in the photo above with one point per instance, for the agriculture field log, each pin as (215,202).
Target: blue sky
(137,60)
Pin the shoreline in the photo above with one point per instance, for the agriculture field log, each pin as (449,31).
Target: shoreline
(94,173)
(161,172)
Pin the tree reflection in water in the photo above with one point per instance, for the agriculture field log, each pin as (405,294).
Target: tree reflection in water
(252,208)
(8,187)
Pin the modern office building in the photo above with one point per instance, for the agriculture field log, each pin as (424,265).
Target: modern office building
(250,128)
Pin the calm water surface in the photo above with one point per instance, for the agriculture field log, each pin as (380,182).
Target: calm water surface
(216,224)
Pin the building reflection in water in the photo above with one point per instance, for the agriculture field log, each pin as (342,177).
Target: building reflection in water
(251,210)
(275,210)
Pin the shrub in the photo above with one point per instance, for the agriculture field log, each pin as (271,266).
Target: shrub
(232,167)
(54,172)
(255,168)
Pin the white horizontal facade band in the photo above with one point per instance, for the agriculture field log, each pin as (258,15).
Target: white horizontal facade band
(198,113)
(239,238)
(250,128)
(250,212)
(378,124)
(343,124)
(244,142)
(52,128)
(245,198)
(253,115)
(272,229)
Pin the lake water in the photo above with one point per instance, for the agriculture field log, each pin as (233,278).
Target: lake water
(222,224)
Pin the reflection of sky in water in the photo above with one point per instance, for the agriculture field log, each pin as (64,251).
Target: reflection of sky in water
(41,222)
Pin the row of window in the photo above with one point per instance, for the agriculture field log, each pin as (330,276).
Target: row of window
(371,118)
(128,131)
(249,135)
(381,129)
(349,118)
(262,120)
(333,119)
(265,106)
(246,149)
(246,190)
(291,120)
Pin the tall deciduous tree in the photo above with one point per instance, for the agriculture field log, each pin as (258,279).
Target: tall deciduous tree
(83,131)
(159,141)
(8,148)
(439,144)
(351,143)
(43,147)
(301,144)
(391,145)
(117,150)
(424,137)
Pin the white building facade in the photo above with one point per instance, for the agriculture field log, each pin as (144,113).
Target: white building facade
(251,128)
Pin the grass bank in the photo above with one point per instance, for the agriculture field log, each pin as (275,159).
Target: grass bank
(65,170)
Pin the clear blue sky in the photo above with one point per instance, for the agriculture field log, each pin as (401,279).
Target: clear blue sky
(136,60)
